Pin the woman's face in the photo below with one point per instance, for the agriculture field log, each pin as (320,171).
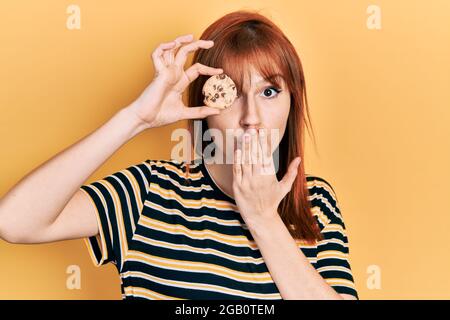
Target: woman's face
(258,106)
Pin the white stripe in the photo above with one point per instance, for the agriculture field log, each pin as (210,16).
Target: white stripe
(335,268)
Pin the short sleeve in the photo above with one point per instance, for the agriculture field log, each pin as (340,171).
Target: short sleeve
(333,251)
(118,199)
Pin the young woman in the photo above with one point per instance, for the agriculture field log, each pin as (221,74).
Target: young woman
(248,229)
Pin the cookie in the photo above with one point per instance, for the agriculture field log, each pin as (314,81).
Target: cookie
(219,91)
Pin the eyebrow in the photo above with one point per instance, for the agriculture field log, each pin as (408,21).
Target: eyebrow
(264,80)
(268,81)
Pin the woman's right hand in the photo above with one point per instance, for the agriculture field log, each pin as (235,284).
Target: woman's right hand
(161,102)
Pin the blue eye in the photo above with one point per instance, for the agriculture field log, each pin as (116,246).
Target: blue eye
(268,90)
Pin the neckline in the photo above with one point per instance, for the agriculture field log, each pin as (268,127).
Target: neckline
(217,190)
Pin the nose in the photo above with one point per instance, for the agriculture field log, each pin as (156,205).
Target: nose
(251,118)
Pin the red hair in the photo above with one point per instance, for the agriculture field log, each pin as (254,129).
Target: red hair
(248,38)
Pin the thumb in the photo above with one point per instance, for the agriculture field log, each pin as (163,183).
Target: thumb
(200,112)
(291,174)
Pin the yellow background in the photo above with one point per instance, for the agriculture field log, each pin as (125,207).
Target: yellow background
(379,101)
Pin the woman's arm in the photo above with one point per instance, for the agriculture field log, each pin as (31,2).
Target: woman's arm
(36,201)
(45,205)
(293,274)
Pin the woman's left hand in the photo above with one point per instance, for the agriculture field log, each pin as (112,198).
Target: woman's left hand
(257,191)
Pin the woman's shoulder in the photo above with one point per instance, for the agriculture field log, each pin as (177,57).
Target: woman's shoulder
(323,199)
(319,186)
(318,183)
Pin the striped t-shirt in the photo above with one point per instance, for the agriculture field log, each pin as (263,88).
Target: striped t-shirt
(171,240)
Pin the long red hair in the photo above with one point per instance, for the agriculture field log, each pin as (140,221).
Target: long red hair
(248,38)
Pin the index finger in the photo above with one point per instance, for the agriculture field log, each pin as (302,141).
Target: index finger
(158,53)
(264,147)
(178,42)
(182,53)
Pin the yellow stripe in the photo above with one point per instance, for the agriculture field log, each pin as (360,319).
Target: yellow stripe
(194,266)
(333,240)
(197,234)
(331,254)
(202,218)
(190,203)
(340,282)
(324,220)
(334,227)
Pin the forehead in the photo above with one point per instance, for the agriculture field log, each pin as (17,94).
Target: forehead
(252,75)
(252,78)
